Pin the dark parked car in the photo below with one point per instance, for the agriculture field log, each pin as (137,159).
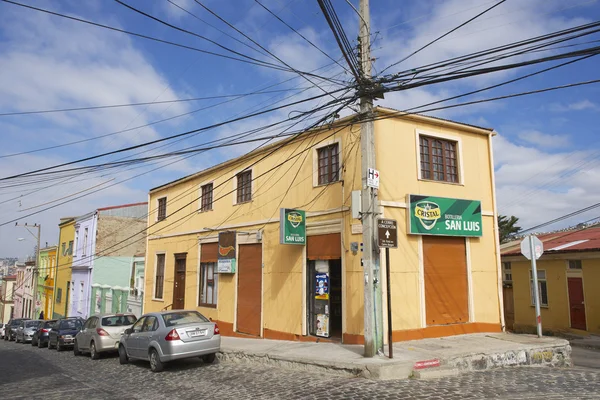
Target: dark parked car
(40,336)
(63,333)
(11,328)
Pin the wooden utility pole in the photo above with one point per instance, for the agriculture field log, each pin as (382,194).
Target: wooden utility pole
(373,329)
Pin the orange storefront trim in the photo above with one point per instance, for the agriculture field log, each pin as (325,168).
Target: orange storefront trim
(349,338)
(431,332)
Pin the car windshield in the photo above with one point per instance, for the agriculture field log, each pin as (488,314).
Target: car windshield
(31,324)
(119,320)
(183,317)
(16,323)
(48,324)
(70,324)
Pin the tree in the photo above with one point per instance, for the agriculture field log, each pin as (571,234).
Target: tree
(507,227)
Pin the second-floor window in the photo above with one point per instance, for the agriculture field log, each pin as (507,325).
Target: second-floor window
(438,159)
(207,197)
(329,164)
(244,186)
(162,208)
(507,271)
(70,249)
(85,241)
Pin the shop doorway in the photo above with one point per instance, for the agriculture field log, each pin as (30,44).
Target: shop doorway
(325,298)
(249,298)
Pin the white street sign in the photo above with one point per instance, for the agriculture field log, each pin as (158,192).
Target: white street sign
(373,178)
(537,244)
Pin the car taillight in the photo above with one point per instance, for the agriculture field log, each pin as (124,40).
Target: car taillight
(45,330)
(101,332)
(173,335)
(217,330)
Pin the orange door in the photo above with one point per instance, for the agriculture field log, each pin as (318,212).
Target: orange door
(446,290)
(249,289)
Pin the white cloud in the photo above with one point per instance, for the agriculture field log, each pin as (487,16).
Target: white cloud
(545,140)
(577,106)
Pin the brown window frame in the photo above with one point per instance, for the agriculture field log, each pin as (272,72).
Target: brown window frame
(439,159)
(206,201)
(244,187)
(204,275)
(159,276)
(161,209)
(328,164)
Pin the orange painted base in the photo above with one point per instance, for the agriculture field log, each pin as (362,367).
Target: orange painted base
(430,332)
(349,338)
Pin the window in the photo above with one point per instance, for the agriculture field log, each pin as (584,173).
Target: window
(507,271)
(162,208)
(209,283)
(150,324)
(160,276)
(81,299)
(77,241)
(438,159)
(183,317)
(542,287)
(85,241)
(574,264)
(70,249)
(59,294)
(64,249)
(328,157)
(137,327)
(207,197)
(244,186)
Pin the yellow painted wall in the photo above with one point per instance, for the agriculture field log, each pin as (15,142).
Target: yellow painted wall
(283,281)
(591,278)
(556,315)
(63,267)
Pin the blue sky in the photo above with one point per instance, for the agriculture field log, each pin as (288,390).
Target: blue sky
(546,153)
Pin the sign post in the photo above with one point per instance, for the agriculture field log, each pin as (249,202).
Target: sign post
(387,234)
(533,248)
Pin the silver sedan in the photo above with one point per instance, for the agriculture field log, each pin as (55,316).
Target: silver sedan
(101,334)
(170,335)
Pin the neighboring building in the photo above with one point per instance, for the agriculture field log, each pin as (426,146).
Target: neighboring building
(19,290)
(568,275)
(445,274)
(29,289)
(7,288)
(135,301)
(64,259)
(100,280)
(45,285)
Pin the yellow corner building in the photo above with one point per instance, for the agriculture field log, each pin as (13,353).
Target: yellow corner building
(64,259)
(219,241)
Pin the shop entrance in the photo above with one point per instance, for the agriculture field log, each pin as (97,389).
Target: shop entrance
(325,298)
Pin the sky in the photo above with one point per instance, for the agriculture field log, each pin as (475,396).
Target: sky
(546,151)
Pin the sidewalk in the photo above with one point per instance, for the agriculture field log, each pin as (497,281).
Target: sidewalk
(427,358)
(587,342)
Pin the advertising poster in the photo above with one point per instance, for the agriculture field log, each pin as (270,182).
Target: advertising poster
(323,325)
(292,227)
(322,289)
(226,261)
(431,215)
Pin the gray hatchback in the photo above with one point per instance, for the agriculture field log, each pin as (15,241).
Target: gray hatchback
(170,335)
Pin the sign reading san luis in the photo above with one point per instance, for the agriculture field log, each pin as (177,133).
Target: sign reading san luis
(431,215)
(292,226)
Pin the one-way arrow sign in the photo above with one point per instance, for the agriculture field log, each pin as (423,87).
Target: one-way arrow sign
(387,233)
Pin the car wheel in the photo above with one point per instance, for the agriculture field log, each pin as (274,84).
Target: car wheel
(155,364)
(93,353)
(76,351)
(33,343)
(209,358)
(123,359)
(58,346)
(49,345)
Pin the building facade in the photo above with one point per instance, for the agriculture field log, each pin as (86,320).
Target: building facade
(218,240)
(64,259)
(45,285)
(106,242)
(29,289)
(7,288)
(19,289)
(568,272)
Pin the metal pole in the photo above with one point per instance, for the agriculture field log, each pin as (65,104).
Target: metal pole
(373,336)
(389,303)
(536,294)
(36,272)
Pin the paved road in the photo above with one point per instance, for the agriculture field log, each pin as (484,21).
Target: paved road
(31,373)
(587,358)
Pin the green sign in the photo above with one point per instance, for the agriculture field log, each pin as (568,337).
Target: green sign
(292,227)
(443,216)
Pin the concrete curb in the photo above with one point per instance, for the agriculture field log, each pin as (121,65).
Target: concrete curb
(585,344)
(552,355)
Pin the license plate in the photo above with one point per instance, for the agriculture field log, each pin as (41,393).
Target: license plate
(201,332)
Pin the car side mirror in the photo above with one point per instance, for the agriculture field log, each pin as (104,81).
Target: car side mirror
(128,331)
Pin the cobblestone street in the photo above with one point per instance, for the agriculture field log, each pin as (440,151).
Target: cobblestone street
(30,373)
